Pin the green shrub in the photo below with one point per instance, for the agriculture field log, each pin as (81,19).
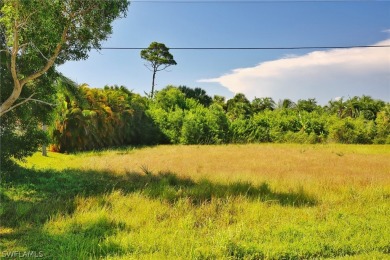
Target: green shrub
(353,131)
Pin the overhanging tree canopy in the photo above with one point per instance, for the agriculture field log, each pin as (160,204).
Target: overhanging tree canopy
(39,34)
(35,36)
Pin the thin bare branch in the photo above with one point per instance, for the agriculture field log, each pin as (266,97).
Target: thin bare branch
(47,59)
(25,21)
(39,101)
(50,61)
(5,50)
(24,45)
(164,67)
(147,66)
(7,105)
(25,100)
(19,104)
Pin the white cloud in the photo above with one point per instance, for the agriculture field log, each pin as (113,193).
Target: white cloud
(319,74)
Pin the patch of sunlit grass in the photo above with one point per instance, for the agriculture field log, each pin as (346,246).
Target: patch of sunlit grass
(282,165)
(267,201)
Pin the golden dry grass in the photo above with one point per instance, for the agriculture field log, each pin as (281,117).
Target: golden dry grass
(345,191)
(284,166)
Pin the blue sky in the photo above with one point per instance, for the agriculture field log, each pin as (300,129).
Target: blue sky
(294,74)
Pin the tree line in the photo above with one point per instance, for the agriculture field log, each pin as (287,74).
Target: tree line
(114,116)
(34,95)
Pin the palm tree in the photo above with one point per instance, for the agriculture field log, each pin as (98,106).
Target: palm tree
(370,107)
(261,104)
(353,107)
(338,106)
(286,104)
(308,105)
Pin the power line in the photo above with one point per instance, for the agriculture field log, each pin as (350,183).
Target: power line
(255,48)
(252,2)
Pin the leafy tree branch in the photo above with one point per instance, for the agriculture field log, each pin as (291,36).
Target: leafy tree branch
(52,34)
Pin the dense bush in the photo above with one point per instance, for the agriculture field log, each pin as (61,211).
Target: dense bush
(186,120)
(204,126)
(179,115)
(353,131)
(382,123)
(107,117)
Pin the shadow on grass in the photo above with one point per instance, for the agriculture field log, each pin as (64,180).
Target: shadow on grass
(39,186)
(29,197)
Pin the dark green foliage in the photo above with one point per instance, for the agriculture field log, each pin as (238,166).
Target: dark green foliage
(286,104)
(102,118)
(220,100)
(169,122)
(54,32)
(253,130)
(89,25)
(38,35)
(198,94)
(353,131)
(238,107)
(356,106)
(87,119)
(308,105)
(21,129)
(383,126)
(115,116)
(261,104)
(170,98)
(204,126)
(19,143)
(280,126)
(185,120)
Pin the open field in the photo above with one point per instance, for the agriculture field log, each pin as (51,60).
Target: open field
(268,201)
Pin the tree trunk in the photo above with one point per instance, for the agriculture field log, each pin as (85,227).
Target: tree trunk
(44,150)
(8,104)
(154,76)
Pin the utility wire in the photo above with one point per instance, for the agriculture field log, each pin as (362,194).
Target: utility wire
(254,48)
(252,2)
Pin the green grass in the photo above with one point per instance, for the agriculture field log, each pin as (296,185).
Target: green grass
(181,202)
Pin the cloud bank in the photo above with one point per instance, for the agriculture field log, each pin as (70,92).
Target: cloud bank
(323,75)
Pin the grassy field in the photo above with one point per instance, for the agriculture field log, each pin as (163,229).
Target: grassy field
(265,201)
